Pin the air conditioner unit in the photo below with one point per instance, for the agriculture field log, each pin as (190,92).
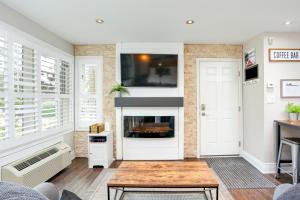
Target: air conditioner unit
(39,167)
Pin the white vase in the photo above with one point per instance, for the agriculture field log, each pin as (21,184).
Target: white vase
(293,116)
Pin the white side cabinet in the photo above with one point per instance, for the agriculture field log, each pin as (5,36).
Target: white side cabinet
(100,149)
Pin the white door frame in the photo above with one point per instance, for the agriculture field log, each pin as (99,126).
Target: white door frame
(240,100)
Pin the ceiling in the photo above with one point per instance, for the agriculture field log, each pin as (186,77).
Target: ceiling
(216,21)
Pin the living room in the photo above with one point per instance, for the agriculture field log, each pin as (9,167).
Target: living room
(149,100)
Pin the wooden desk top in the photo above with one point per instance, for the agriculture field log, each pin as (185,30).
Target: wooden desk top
(292,123)
(163,179)
(164,165)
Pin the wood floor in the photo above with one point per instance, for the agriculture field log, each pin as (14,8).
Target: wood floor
(78,177)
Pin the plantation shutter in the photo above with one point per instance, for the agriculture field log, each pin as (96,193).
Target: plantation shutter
(48,75)
(66,105)
(25,88)
(87,99)
(26,116)
(3,87)
(49,114)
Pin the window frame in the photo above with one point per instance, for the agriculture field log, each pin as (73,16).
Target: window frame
(98,61)
(42,48)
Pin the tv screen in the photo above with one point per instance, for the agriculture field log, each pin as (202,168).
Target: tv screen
(251,73)
(149,70)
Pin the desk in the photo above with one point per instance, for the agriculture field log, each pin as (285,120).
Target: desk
(284,123)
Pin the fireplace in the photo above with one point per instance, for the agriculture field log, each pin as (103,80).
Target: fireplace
(149,126)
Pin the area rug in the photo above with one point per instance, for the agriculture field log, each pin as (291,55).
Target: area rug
(237,173)
(98,191)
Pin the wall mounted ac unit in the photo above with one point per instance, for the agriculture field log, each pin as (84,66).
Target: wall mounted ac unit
(39,167)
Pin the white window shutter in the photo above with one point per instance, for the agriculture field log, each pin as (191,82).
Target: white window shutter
(4,124)
(48,75)
(87,99)
(49,114)
(25,88)
(66,103)
(26,116)
(88,91)
(25,72)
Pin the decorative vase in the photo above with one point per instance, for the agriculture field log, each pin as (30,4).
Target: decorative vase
(293,116)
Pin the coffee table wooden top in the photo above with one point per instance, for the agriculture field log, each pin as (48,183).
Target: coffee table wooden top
(164,165)
(178,175)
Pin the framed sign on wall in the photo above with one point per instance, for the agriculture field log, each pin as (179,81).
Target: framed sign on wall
(284,55)
(290,88)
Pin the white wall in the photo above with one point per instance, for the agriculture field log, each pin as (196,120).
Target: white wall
(259,113)
(253,98)
(274,71)
(19,21)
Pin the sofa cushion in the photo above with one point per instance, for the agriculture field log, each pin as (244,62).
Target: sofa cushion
(293,193)
(12,191)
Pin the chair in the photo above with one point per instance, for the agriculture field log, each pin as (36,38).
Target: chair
(294,143)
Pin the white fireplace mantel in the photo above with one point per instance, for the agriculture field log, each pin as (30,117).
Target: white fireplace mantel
(172,148)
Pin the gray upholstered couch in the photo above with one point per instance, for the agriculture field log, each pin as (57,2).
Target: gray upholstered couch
(287,192)
(44,191)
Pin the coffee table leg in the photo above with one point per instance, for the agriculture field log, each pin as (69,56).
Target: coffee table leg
(108,194)
(217,193)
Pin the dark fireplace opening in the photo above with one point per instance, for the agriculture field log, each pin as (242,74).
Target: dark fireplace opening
(149,126)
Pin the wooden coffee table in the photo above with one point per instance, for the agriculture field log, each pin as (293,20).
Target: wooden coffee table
(165,174)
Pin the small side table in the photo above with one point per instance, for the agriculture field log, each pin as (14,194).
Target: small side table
(100,149)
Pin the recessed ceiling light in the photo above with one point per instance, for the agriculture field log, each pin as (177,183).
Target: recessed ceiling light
(189,21)
(99,21)
(287,23)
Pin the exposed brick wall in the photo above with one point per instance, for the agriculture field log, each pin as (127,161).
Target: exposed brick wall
(191,53)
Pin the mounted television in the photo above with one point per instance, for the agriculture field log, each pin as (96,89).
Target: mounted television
(149,70)
(251,73)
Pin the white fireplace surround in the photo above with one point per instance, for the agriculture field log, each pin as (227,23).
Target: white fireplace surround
(151,148)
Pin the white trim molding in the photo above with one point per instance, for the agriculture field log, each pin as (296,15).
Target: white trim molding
(265,168)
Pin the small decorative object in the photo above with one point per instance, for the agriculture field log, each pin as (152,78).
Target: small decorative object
(293,110)
(290,88)
(284,55)
(119,88)
(97,128)
(250,58)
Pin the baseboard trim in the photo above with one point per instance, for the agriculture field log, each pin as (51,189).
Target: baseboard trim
(265,168)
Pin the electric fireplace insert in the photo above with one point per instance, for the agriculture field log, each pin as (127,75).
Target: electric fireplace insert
(149,126)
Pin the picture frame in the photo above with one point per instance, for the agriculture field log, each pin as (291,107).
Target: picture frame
(290,88)
(250,58)
(284,55)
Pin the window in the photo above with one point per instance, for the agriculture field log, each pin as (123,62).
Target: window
(36,95)
(25,88)
(66,103)
(49,114)
(3,87)
(48,75)
(89,109)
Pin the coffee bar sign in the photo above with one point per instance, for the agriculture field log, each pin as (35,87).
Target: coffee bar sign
(284,55)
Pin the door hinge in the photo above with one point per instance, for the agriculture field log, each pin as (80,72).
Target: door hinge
(239,73)
(240,143)
(239,108)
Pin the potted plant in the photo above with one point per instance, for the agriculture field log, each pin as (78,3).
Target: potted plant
(293,111)
(119,88)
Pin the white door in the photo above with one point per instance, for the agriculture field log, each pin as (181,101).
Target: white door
(219,109)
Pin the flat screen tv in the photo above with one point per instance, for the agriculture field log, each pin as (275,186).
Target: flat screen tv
(149,70)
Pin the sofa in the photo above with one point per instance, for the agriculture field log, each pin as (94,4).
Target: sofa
(43,191)
(287,192)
